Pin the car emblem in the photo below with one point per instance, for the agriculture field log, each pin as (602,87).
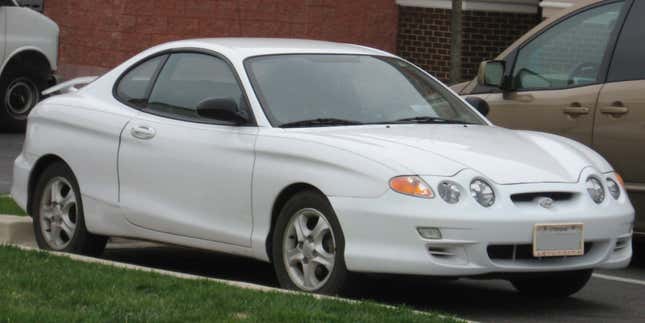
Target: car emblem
(545,202)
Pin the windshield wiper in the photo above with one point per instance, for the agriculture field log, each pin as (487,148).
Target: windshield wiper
(320,122)
(428,119)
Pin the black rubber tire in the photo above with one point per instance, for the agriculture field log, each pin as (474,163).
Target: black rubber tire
(8,121)
(553,285)
(339,279)
(83,242)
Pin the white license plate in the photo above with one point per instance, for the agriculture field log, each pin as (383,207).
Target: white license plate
(561,239)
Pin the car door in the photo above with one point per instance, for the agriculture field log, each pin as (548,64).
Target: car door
(181,173)
(619,133)
(556,76)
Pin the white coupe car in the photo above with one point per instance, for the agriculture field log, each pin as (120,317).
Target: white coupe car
(325,159)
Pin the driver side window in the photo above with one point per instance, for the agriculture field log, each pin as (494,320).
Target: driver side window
(569,54)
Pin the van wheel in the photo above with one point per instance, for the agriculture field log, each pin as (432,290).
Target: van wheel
(556,285)
(57,210)
(308,246)
(19,93)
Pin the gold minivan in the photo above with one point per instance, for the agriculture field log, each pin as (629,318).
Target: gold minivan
(581,75)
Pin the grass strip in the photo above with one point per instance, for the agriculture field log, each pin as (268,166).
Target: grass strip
(9,207)
(41,287)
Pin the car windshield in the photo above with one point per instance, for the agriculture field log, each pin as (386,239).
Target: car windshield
(303,90)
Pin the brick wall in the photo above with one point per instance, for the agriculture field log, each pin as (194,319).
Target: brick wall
(98,34)
(424,37)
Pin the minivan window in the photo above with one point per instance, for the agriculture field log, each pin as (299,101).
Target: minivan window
(134,86)
(628,61)
(186,80)
(569,54)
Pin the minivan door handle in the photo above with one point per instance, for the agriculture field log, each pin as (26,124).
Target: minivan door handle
(576,109)
(143,132)
(616,109)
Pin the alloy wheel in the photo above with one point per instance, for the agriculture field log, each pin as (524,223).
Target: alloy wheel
(58,213)
(309,249)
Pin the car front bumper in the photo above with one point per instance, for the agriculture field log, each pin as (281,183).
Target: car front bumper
(381,234)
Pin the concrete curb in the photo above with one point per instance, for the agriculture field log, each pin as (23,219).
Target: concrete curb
(16,229)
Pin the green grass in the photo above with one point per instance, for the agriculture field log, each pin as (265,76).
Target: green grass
(40,287)
(9,207)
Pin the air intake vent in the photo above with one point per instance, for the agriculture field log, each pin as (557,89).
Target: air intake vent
(530,197)
(519,252)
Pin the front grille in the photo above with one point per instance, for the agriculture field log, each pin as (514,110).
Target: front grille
(519,252)
(530,197)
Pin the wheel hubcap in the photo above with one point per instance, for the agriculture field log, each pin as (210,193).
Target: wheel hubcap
(309,249)
(20,97)
(58,213)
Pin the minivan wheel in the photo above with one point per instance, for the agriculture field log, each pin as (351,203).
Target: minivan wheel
(19,93)
(308,246)
(561,284)
(59,222)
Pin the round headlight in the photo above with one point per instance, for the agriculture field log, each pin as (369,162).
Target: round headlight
(595,189)
(482,192)
(613,188)
(449,191)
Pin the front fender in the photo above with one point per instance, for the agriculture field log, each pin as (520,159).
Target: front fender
(282,161)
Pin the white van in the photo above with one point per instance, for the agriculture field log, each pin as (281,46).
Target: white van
(28,55)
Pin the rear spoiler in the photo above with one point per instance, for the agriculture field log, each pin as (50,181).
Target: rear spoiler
(69,86)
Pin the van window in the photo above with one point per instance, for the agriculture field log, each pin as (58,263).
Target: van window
(568,54)
(628,62)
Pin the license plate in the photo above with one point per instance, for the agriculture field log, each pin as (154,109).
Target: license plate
(554,240)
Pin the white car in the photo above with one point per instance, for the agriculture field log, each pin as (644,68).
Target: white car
(325,159)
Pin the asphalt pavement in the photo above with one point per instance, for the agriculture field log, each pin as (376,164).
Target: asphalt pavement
(610,296)
(10,147)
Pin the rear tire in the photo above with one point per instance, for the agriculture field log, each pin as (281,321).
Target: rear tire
(553,285)
(57,210)
(316,250)
(19,93)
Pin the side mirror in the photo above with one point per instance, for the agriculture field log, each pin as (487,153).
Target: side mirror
(491,73)
(480,104)
(221,110)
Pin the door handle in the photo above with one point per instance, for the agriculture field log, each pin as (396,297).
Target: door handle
(143,132)
(616,109)
(576,109)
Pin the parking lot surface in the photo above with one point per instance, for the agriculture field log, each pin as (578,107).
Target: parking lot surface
(611,296)
(10,147)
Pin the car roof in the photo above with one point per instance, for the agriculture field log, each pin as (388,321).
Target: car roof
(247,47)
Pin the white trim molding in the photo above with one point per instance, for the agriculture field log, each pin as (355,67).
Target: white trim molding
(514,6)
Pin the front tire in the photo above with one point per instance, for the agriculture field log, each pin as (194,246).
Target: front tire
(308,246)
(57,210)
(557,285)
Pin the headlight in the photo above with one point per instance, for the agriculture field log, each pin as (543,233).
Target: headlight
(595,189)
(411,185)
(613,188)
(449,191)
(482,192)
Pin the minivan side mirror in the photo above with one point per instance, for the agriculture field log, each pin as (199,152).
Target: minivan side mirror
(480,104)
(221,109)
(491,73)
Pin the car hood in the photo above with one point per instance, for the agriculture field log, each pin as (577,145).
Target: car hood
(501,155)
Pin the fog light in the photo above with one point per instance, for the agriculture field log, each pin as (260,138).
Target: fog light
(429,233)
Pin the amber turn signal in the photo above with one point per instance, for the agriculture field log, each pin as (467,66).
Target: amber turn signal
(620,180)
(411,185)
